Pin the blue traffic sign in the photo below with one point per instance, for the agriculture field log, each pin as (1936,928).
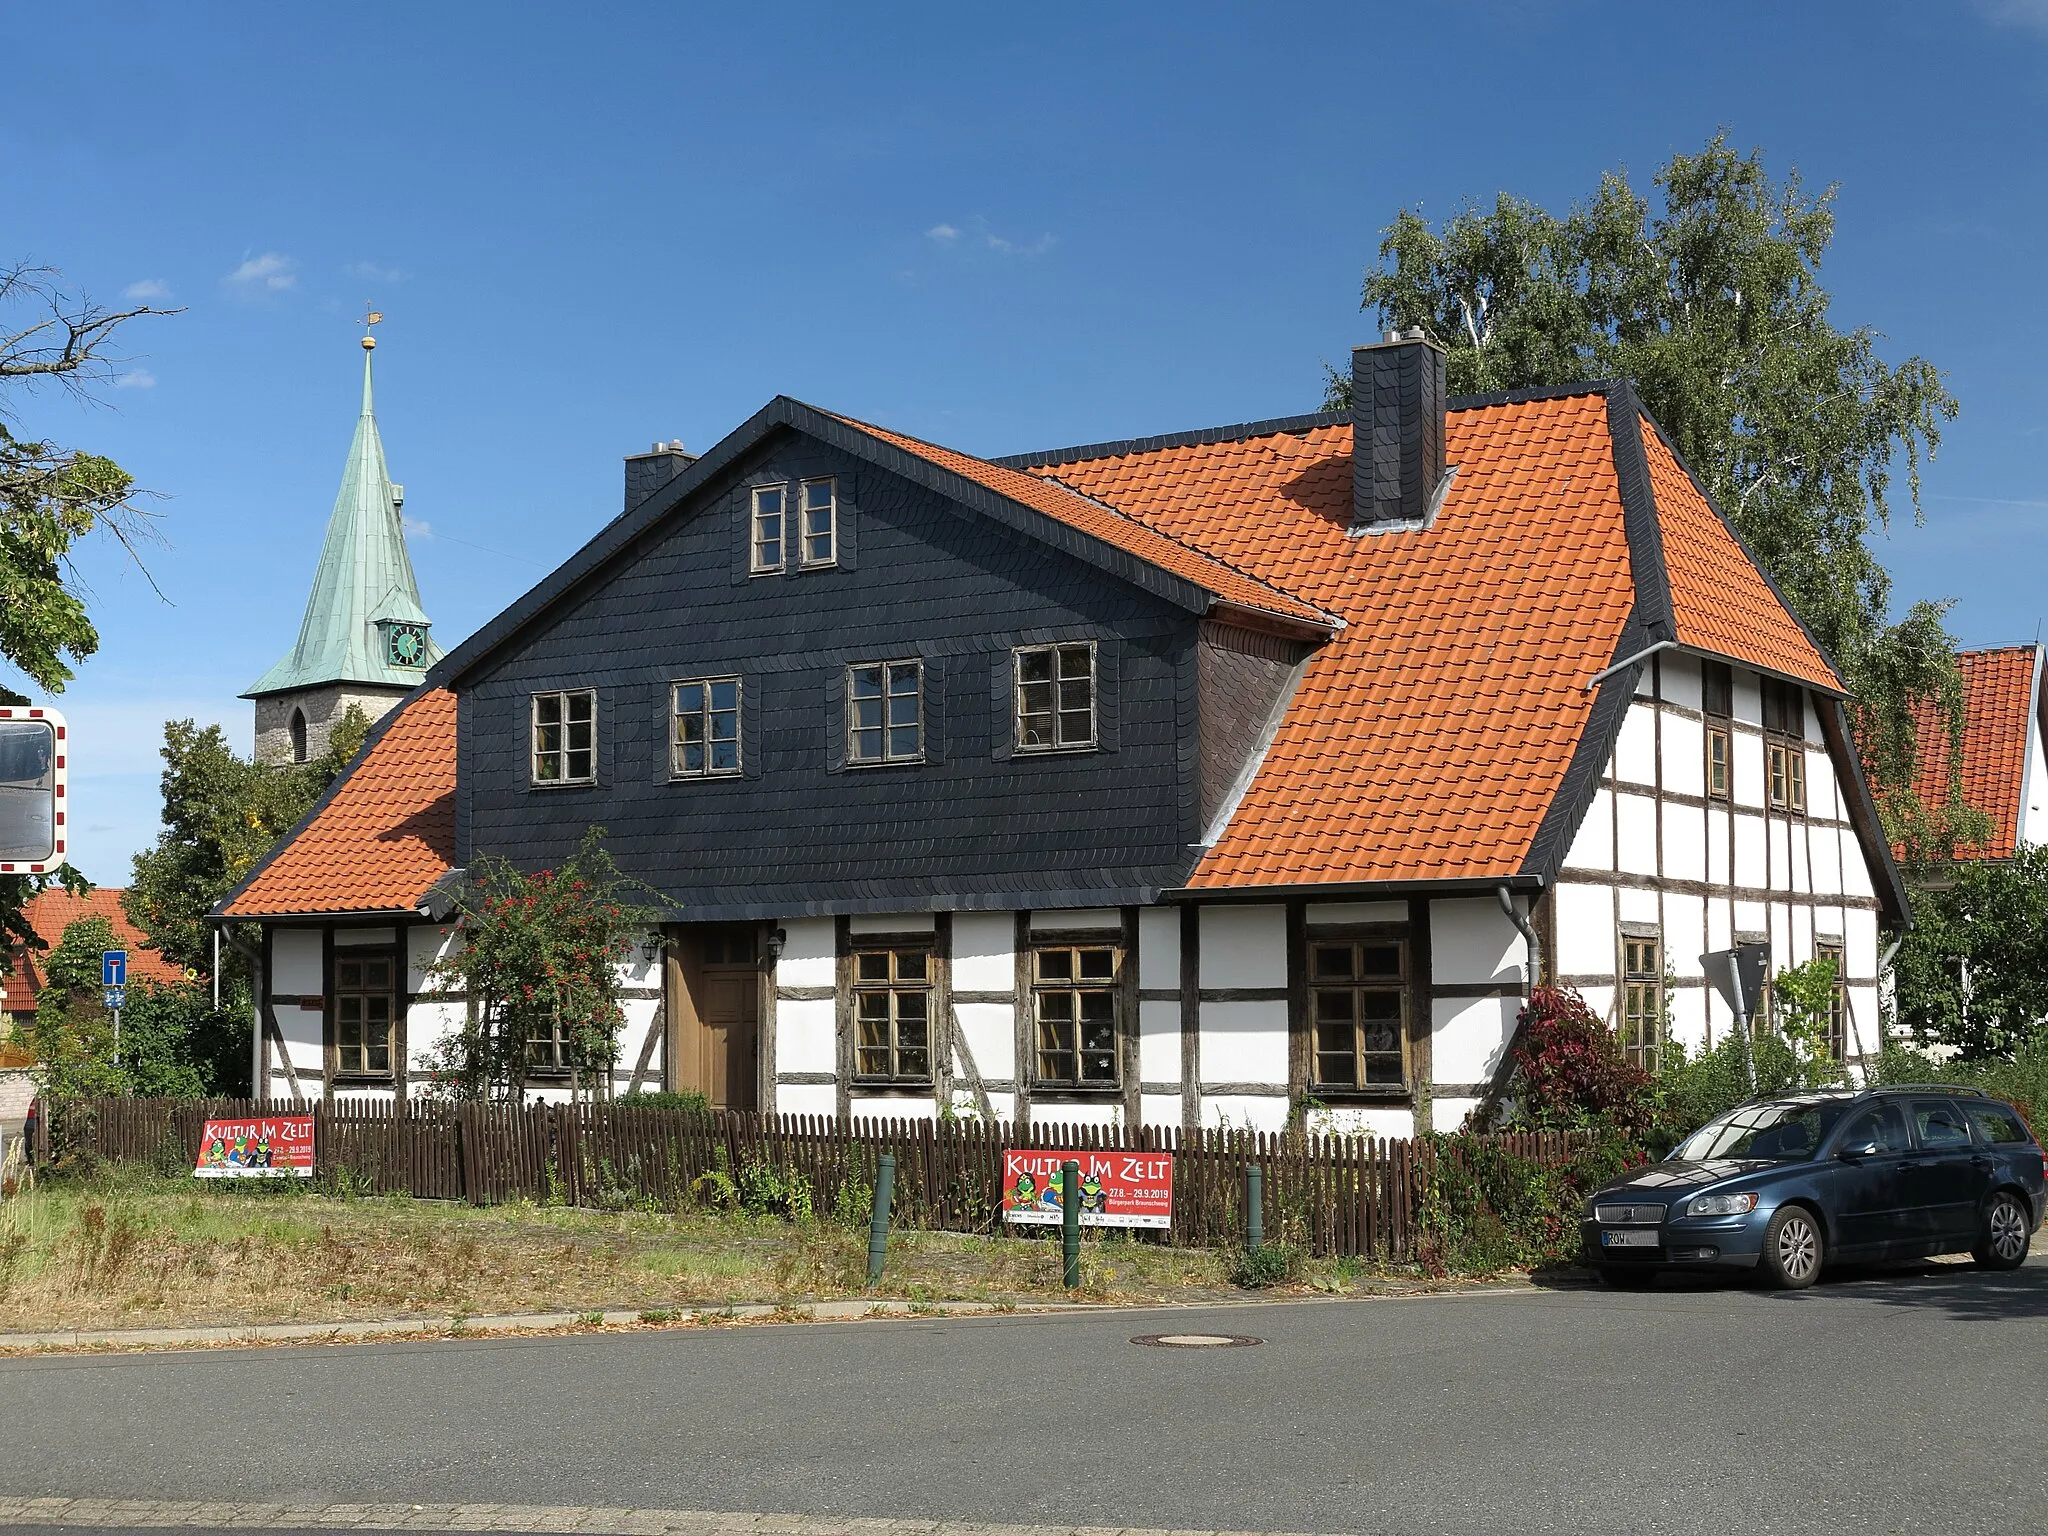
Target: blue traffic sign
(113,968)
(116,998)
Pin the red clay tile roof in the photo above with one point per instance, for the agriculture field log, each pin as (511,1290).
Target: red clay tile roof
(1045,493)
(386,833)
(1428,739)
(49,914)
(1998,699)
(1719,598)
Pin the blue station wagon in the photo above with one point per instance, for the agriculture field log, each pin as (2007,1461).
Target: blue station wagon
(1787,1186)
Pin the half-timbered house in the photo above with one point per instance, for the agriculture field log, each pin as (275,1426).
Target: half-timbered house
(1220,777)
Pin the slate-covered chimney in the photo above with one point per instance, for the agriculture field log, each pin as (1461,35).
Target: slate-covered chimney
(1397,432)
(648,472)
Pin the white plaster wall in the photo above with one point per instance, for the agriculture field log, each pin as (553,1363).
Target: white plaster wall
(1685,932)
(1585,929)
(641,1014)
(429,1025)
(1450,1114)
(1823,794)
(1685,843)
(1358,1120)
(1748,697)
(807,957)
(1244,1112)
(1159,947)
(1002,1106)
(1859,942)
(990,1031)
(1159,1043)
(1244,947)
(2033,816)
(984,958)
(1472,940)
(1685,756)
(805,1035)
(1778,839)
(1749,851)
(1635,749)
(1718,869)
(1467,1036)
(1720,931)
(1160,1109)
(1091,1113)
(1687,1022)
(1856,880)
(890,922)
(806,1099)
(424,949)
(909,1106)
(1825,845)
(1681,680)
(1244,1042)
(1600,999)
(1330,914)
(1747,759)
(1059,919)
(296,962)
(304,1031)
(1593,844)
(1635,829)
(1632,906)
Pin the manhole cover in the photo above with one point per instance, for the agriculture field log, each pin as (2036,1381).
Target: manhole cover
(1197,1340)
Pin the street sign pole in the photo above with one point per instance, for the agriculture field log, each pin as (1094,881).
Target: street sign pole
(1738,974)
(1742,1007)
(114,985)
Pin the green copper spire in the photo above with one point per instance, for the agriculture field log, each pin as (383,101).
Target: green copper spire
(363,620)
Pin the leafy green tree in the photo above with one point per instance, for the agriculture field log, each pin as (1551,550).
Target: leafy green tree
(222,813)
(1969,972)
(50,498)
(1710,304)
(1803,1008)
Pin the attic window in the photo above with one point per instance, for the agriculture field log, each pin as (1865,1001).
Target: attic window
(820,524)
(565,737)
(707,728)
(770,508)
(1055,698)
(885,712)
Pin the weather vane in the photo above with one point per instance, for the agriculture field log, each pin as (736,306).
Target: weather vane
(370,318)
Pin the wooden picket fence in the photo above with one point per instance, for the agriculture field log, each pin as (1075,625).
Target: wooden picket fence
(1334,1195)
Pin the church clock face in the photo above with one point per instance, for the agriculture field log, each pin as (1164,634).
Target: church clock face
(408,645)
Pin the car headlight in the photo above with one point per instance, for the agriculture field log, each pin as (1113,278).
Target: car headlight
(1722,1205)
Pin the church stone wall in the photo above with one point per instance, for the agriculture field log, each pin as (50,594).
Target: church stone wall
(323,707)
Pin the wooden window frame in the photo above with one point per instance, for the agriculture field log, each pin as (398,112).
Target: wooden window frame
(562,752)
(1403,985)
(394,1029)
(1838,1003)
(1785,774)
(889,670)
(705,714)
(804,559)
(757,545)
(895,987)
(1642,1000)
(1723,766)
(1056,652)
(1044,943)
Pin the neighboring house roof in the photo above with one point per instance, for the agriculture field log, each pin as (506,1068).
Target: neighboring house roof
(383,833)
(49,913)
(1449,729)
(364,576)
(2001,697)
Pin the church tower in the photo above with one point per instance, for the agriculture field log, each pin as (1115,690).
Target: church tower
(365,639)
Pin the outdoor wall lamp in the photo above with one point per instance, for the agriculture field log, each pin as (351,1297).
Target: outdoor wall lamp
(776,940)
(650,948)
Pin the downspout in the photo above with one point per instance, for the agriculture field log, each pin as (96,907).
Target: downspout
(1482,1114)
(1515,916)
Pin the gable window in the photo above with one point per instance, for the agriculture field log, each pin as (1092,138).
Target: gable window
(1075,1014)
(547,1049)
(364,1007)
(1785,761)
(1838,1000)
(1717,703)
(1055,697)
(1717,689)
(820,524)
(565,737)
(706,740)
(1358,1008)
(1642,1000)
(892,997)
(1784,707)
(1787,771)
(1717,762)
(770,511)
(885,712)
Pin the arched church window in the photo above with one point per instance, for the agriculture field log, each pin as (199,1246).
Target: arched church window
(298,735)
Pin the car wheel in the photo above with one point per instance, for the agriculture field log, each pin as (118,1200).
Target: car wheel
(2006,1239)
(1793,1249)
(1628,1277)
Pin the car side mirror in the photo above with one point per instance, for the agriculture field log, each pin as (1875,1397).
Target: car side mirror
(1860,1149)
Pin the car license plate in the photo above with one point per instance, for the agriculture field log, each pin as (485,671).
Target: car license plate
(1644,1239)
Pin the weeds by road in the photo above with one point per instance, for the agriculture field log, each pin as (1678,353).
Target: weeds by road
(125,1248)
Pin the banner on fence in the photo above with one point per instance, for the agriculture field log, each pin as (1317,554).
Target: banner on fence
(1118,1189)
(266,1147)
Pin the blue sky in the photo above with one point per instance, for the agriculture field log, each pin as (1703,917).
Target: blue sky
(1004,228)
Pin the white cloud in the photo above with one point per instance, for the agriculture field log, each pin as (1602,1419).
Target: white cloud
(978,236)
(2031,14)
(369,271)
(268,273)
(945,234)
(136,378)
(415,528)
(1036,247)
(149,288)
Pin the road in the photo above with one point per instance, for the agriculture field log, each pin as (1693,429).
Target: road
(1898,1402)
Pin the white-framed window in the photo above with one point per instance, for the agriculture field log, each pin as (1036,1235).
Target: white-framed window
(565,737)
(1055,697)
(770,526)
(705,739)
(885,712)
(820,531)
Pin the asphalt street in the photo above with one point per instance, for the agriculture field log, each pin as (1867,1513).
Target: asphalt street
(1880,1403)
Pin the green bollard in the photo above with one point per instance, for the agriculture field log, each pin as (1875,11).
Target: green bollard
(1254,1207)
(1070,1221)
(878,1224)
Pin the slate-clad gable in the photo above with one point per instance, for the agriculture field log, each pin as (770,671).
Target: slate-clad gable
(975,825)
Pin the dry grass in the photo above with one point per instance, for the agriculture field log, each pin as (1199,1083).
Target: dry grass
(126,1248)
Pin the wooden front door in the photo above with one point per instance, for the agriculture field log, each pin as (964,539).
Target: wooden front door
(718,1034)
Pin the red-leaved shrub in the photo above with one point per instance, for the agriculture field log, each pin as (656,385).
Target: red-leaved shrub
(1570,1070)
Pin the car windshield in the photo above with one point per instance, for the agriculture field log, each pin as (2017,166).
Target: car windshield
(1778,1133)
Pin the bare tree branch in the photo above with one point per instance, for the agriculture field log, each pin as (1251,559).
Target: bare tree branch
(67,336)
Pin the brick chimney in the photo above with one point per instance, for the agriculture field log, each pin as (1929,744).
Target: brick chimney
(1397,432)
(648,472)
